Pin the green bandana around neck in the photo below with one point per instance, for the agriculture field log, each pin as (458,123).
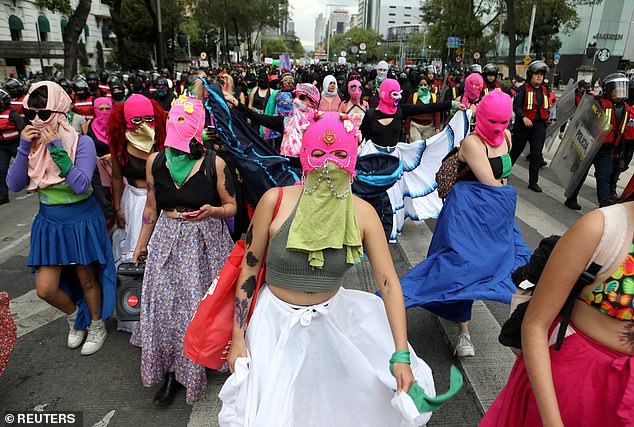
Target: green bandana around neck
(179,164)
(424,94)
(323,221)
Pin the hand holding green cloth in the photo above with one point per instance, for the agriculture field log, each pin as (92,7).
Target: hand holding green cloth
(323,221)
(61,158)
(423,402)
(180,164)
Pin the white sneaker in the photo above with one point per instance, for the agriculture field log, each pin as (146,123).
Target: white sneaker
(96,337)
(75,337)
(464,347)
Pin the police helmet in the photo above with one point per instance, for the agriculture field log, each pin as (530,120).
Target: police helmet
(490,69)
(536,67)
(161,82)
(5,100)
(79,84)
(431,69)
(475,68)
(616,82)
(103,77)
(14,87)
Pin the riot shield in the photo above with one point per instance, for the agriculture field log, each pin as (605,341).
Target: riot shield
(565,109)
(584,135)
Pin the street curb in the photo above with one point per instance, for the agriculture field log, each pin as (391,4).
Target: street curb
(488,371)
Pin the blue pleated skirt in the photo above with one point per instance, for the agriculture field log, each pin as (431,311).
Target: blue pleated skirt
(475,247)
(75,234)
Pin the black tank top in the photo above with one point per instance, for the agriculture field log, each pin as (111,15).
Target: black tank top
(134,169)
(259,102)
(199,189)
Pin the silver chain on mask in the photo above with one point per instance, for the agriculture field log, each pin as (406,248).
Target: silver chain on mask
(323,174)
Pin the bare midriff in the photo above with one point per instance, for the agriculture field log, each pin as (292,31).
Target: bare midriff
(301,298)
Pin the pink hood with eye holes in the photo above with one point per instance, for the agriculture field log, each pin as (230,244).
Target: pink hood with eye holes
(386,102)
(494,113)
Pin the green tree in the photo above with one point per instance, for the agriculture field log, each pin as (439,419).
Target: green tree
(76,23)
(354,37)
(551,17)
(467,19)
(273,48)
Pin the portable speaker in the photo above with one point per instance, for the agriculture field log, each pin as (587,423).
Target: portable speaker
(129,285)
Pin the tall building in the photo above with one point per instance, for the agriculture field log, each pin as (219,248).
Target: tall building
(339,22)
(320,30)
(31,38)
(398,13)
(368,14)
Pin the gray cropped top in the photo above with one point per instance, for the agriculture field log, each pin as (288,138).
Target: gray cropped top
(289,269)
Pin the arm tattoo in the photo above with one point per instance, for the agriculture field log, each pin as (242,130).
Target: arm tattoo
(150,187)
(148,219)
(627,335)
(249,286)
(252,260)
(241,312)
(229,182)
(249,238)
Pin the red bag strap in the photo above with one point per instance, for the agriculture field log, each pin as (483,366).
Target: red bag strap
(280,193)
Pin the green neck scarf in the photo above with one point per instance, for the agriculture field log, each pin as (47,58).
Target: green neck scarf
(325,220)
(180,164)
(424,94)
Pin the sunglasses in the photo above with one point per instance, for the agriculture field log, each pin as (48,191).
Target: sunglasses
(139,120)
(42,114)
(303,97)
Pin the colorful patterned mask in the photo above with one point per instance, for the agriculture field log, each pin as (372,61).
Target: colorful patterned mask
(335,137)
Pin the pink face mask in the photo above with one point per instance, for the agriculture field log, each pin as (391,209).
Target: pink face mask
(186,122)
(355,91)
(138,110)
(473,85)
(334,137)
(390,95)
(494,113)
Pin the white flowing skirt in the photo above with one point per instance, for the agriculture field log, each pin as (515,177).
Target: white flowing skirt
(325,365)
(414,195)
(124,241)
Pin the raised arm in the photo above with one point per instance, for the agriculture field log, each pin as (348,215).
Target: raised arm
(567,261)
(257,241)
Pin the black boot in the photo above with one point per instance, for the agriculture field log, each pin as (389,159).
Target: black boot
(572,204)
(166,394)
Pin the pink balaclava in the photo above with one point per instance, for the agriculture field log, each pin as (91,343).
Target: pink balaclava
(99,124)
(186,122)
(332,134)
(137,106)
(389,96)
(355,91)
(494,113)
(473,85)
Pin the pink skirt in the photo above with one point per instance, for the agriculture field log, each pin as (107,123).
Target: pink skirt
(594,386)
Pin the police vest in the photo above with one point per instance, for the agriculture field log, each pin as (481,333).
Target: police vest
(103,90)
(530,102)
(8,129)
(618,129)
(84,107)
(17,105)
(487,90)
(453,87)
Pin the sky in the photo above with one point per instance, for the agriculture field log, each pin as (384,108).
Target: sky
(304,13)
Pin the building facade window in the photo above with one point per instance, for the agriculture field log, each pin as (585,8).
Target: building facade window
(16,27)
(44,27)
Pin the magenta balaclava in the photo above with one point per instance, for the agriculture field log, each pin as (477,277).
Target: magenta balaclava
(330,133)
(355,91)
(494,113)
(473,85)
(389,96)
(137,106)
(186,122)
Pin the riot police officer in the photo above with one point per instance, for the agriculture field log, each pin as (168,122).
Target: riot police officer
(531,106)
(490,74)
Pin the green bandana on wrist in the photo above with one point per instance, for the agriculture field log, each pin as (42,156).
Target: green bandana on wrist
(179,164)
(325,217)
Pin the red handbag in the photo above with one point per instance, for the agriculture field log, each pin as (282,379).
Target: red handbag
(208,336)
